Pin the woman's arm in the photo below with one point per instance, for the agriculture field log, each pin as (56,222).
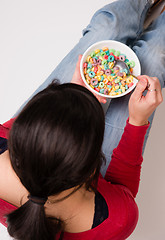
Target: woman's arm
(11,189)
(125,165)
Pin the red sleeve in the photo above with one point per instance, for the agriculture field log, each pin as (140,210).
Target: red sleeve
(125,165)
(5,128)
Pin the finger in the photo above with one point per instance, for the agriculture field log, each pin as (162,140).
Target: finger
(101,99)
(158,90)
(77,76)
(140,88)
(154,93)
(78,64)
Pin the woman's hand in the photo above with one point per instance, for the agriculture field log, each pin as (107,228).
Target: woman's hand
(141,107)
(78,80)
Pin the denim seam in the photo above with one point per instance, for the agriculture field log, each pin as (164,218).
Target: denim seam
(139,31)
(113,126)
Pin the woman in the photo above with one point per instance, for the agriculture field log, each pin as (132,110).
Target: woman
(55,151)
(57,175)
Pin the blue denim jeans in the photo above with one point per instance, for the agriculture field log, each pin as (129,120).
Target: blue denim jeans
(122,21)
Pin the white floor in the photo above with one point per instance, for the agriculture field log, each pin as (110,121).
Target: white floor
(35,36)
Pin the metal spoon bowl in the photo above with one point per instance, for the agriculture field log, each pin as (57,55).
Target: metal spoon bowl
(123,66)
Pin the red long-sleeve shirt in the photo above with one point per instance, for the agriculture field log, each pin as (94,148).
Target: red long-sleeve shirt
(119,188)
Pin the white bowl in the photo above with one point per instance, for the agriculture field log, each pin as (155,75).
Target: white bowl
(118,46)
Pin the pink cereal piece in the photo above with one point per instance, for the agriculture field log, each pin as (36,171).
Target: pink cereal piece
(122,58)
(116,68)
(94,64)
(108,72)
(99,61)
(120,74)
(94,81)
(106,91)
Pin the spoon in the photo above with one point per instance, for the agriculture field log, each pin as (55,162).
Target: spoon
(122,65)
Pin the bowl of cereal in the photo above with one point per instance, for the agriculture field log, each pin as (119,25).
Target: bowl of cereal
(101,73)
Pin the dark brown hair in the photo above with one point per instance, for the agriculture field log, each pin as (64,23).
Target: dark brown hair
(54,144)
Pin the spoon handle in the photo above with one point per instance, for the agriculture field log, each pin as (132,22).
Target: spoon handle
(148,85)
(134,76)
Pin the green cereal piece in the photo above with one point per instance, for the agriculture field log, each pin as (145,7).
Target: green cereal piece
(128,64)
(102,54)
(104,62)
(98,54)
(132,64)
(117,53)
(112,50)
(101,84)
(117,81)
(93,54)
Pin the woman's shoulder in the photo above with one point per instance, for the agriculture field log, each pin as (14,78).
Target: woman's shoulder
(113,192)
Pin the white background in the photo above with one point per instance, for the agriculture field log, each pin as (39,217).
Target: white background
(35,36)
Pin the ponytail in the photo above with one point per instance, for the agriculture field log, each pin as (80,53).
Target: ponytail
(29,222)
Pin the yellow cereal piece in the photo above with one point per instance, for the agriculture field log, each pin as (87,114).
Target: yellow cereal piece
(114,76)
(99,68)
(120,78)
(129,80)
(104,75)
(102,67)
(88,58)
(87,81)
(124,74)
(98,73)
(111,65)
(101,58)
(117,87)
(91,86)
(112,93)
(110,78)
(98,78)
(97,51)
(123,89)
(87,77)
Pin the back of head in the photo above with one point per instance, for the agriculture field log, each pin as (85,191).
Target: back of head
(55,144)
